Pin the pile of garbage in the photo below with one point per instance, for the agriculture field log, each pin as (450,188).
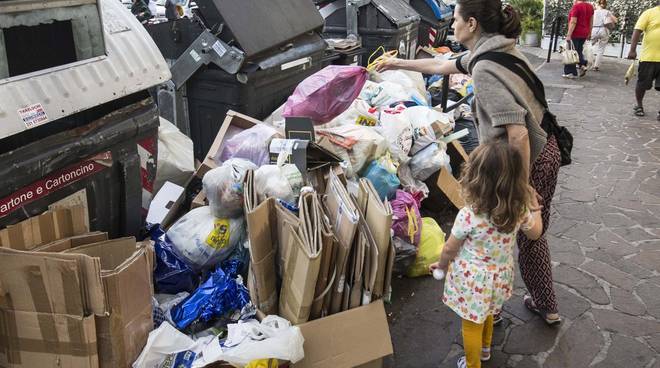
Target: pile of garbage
(304,215)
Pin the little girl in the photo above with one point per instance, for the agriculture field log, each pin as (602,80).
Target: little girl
(478,256)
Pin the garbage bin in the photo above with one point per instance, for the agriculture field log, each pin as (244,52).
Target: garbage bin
(392,24)
(281,46)
(77,125)
(436,19)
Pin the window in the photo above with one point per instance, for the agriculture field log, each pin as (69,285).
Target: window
(35,36)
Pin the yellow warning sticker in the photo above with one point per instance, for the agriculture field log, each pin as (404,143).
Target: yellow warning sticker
(219,237)
(366,121)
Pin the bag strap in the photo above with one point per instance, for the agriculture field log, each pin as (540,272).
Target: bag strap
(521,69)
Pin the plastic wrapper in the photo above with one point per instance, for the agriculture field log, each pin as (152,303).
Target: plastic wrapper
(406,219)
(274,337)
(163,304)
(250,144)
(223,292)
(356,145)
(281,182)
(202,240)
(428,161)
(172,275)
(381,176)
(326,93)
(432,240)
(404,256)
(224,187)
(168,347)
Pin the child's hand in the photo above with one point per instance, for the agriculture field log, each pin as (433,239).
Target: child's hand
(435,266)
(536,198)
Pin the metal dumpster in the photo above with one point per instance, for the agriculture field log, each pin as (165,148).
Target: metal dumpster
(435,23)
(277,46)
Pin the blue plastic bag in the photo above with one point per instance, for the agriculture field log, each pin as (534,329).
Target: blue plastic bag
(385,182)
(172,275)
(217,296)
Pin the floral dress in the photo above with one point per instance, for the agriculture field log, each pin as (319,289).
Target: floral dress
(480,278)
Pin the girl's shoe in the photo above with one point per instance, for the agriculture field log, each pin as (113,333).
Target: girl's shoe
(569,76)
(497,319)
(529,303)
(462,363)
(485,354)
(638,111)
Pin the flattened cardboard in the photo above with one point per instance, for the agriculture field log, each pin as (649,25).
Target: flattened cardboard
(45,228)
(126,274)
(347,339)
(72,242)
(47,340)
(379,220)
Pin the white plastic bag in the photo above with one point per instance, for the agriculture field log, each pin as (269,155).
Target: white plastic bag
(282,182)
(397,130)
(224,187)
(409,183)
(202,240)
(360,113)
(176,160)
(428,161)
(164,342)
(588,54)
(274,337)
(356,145)
(250,144)
(413,82)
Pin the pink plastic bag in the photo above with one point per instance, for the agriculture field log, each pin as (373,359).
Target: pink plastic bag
(326,93)
(406,219)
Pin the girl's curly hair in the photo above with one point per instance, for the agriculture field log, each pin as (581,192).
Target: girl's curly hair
(493,182)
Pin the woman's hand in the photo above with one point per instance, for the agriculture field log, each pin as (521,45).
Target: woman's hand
(535,200)
(388,64)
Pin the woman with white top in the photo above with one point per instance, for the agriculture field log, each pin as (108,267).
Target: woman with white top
(604,22)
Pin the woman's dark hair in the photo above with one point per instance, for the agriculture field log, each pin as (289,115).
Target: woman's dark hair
(492,17)
(602,3)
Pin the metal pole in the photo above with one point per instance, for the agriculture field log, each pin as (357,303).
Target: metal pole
(445,92)
(557,34)
(552,35)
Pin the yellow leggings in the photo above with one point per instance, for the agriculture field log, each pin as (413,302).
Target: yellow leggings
(475,337)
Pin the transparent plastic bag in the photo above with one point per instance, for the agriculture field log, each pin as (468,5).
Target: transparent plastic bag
(202,240)
(176,161)
(428,161)
(355,144)
(282,182)
(250,144)
(224,187)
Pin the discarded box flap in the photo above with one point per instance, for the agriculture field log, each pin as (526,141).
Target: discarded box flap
(259,25)
(47,340)
(348,339)
(397,11)
(72,242)
(18,268)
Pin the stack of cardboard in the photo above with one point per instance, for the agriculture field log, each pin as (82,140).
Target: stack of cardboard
(76,301)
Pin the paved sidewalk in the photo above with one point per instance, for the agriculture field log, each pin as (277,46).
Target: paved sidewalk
(604,239)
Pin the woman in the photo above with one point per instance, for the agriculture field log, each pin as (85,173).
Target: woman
(507,110)
(600,34)
(580,20)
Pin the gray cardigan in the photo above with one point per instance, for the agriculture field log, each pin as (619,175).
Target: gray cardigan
(501,97)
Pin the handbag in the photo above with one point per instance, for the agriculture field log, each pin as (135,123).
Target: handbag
(549,123)
(610,22)
(569,55)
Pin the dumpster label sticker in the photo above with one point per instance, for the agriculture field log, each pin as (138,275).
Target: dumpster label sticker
(219,236)
(219,48)
(195,56)
(54,181)
(33,115)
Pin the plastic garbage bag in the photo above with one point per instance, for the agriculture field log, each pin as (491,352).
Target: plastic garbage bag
(409,183)
(404,256)
(263,363)
(176,160)
(202,240)
(167,344)
(246,341)
(224,187)
(221,293)
(432,241)
(385,94)
(250,144)
(278,181)
(406,219)
(428,161)
(326,93)
(385,181)
(165,303)
(413,82)
(397,130)
(356,145)
(360,113)
(172,275)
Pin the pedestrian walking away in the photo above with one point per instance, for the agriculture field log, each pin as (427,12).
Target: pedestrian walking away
(478,256)
(603,23)
(648,74)
(506,109)
(580,22)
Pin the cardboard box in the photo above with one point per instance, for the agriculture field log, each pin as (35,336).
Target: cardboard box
(358,337)
(47,340)
(447,182)
(72,242)
(128,286)
(45,228)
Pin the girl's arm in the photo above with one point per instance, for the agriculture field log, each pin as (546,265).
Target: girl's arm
(425,66)
(449,252)
(533,227)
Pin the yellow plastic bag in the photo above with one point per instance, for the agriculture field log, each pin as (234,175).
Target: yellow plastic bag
(263,363)
(430,247)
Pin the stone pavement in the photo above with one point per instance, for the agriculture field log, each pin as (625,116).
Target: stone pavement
(605,244)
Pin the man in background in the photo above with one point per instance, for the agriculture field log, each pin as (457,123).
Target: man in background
(649,61)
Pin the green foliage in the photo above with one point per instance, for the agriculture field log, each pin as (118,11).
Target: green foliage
(531,12)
